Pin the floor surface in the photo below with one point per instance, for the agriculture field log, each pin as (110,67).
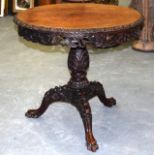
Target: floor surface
(28,70)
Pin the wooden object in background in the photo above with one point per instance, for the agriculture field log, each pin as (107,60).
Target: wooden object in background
(6,10)
(145,42)
(46,2)
(115,2)
(78,26)
(78,1)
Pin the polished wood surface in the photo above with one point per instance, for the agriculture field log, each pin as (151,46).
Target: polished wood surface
(79,16)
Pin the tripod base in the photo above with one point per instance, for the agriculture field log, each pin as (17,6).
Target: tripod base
(78,92)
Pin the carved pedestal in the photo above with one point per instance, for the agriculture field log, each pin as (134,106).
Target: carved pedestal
(78,91)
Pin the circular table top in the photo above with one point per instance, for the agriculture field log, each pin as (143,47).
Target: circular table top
(87,18)
(79,16)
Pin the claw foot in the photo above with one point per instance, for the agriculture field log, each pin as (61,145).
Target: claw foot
(91,143)
(110,102)
(32,114)
(92,146)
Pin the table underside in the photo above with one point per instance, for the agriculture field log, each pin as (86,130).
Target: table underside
(96,38)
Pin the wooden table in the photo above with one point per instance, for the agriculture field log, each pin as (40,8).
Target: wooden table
(77,25)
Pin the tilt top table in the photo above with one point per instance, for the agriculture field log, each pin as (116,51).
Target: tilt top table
(78,25)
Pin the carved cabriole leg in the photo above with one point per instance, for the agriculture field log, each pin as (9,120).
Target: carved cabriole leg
(86,115)
(109,102)
(51,96)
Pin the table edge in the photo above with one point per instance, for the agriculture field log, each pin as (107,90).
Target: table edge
(100,38)
(89,30)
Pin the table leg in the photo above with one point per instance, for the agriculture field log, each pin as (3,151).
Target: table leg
(51,96)
(78,91)
(86,115)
